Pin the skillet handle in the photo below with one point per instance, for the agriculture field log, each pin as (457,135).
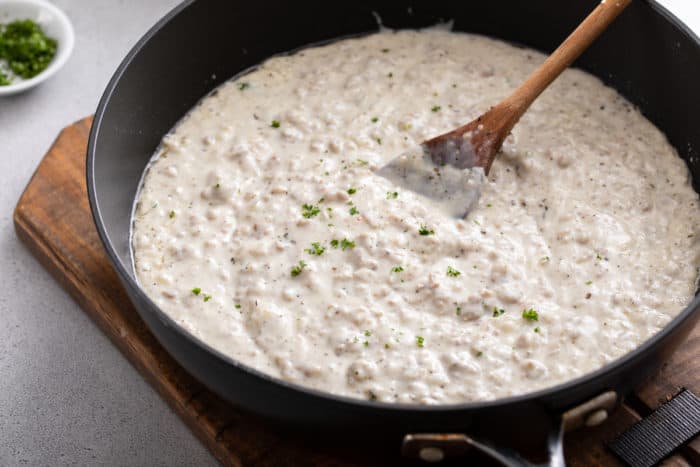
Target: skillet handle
(434,447)
(430,447)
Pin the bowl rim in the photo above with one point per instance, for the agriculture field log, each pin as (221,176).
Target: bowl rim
(549,393)
(63,52)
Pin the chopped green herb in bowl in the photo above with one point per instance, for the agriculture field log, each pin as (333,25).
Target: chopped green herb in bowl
(36,39)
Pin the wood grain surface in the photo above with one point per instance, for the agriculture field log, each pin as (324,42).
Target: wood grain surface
(53,219)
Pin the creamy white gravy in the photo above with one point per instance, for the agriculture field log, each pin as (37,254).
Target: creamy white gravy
(583,244)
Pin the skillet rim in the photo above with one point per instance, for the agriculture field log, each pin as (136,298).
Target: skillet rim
(640,353)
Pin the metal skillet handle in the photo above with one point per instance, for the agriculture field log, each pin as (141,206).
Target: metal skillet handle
(434,447)
(431,447)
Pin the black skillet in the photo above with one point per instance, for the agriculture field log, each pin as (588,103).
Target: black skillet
(647,55)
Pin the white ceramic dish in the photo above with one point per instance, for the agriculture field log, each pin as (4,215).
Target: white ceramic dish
(53,22)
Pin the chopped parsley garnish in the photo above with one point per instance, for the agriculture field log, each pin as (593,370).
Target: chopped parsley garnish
(354,211)
(385,50)
(498,311)
(397,269)
(392,194)
(390,75)
(296,270)
(171,214)
(531,315)
(243,86)
(420,341)
(452,272)
(387,346)
(344,244)
(379,141)
(361,162)
(238,306)
(598,257)
(436,108)
(367,333)
(25,48)
(589,282)
(375,119)
(196,291)
(537,329)
(424,230)
(458,311)
(315,249)
(275,124)
(366,343)
(309,210)
(479,353)
(352,191)
(217,186)
(206,297)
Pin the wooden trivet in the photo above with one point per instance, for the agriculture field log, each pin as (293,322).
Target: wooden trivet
(53,219)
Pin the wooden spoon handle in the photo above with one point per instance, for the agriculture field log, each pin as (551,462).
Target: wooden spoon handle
(579,40)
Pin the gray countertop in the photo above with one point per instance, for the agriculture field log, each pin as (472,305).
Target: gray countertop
(67,396)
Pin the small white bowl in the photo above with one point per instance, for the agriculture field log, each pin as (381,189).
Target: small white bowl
(53,22)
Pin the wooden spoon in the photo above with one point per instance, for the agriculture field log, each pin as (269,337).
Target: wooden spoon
(438,170)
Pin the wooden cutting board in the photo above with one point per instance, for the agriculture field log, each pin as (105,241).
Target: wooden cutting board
(53,219)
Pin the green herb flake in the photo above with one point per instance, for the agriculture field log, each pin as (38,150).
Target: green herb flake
(420,341)
(531,315)
(309,210)
(171,214)
(367,333)
(436,108)
(387,346)
(397,269)
(458,311)
(361,162)
(390,75)
(392,194)
(316,249)
(243,86)
(479,353)
(238,306)
(589,282)
(375,119)
(452,272)
(275,124)
(345,244)
(4,80)
(424,230)
(385,50)
(335,243)
(354,211)
(537,329)
(379,141)
(498,311)
(296,270)
(206,297)
(196,291)
(352,191)
(366,343)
